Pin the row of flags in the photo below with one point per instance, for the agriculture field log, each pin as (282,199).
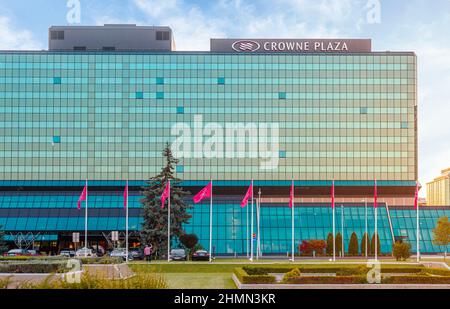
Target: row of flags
(206,192)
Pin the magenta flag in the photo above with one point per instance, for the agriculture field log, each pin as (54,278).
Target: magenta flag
(82,197)
(332,194)
(247,195)
(165,194)
(125,196)
(291,196)
(416,196)
(204,193)
(375,196)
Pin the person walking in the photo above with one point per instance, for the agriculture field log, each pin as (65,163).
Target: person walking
(148,253)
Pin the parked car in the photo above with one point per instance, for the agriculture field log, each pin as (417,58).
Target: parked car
(67,252)
(33,252)
(137,254)
(178,255)
(17,252)
(85,252)
(121,253)
(200,255)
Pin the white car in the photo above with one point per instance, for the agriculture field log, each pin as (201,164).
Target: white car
(121,253)
(85,252)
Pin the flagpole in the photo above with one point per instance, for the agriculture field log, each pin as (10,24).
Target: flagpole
(292,224)
(376,233)
(334,227)
(251,227)
(86,220)
(366,232)
(126,225)
(210,225)
(416,204)
(342,230)
(247,230)
(168,226)
(259,222)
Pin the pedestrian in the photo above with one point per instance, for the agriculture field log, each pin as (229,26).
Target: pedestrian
(148,252)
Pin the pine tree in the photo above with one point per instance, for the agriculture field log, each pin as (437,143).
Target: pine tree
(154,227)
(338,241)
(330,244)
(353,247)
(3,246)
(363,244)
(372,245)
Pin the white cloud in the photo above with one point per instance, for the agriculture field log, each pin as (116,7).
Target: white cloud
(12,38)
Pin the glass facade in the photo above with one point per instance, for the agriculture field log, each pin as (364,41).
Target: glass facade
(106,116)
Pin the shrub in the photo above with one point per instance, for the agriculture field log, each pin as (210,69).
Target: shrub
(307,247)
(435,271)
(349,271)
(416,279)
(4,283)
(353,245)
(365,243)
(401,251)
(329,280)
(330,244)
(102,260)
(89,281)
(291,274)
(255,271)
(245,278)
(33,267)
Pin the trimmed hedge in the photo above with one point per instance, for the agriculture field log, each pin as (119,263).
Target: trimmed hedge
(328,280)
(436,271)
(416,279)
(33,267)
(245,278)
(101,260)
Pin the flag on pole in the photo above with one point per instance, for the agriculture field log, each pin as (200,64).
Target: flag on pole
(332,195)
(248,195)
(416,196)
(291,196)
(375,196)
(204,193)
(125,196)
(165,194)
(82,197)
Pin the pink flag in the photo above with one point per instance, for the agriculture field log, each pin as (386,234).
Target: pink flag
(375,196)
(247,195)
(416,196)
(291,196)
(165,194)
(125,196)
(204,193)
(82,197)
(332,195)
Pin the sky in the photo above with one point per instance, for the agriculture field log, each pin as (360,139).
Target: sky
(421,26)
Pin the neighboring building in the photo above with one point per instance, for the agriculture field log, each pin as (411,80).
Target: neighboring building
(103,101)
(438,190)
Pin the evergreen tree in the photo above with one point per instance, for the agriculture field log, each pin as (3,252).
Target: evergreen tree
(372,245)
(364,242)
(441,234)
(3,246)
(338,241)
(154,227)
(330,244)
(353,247)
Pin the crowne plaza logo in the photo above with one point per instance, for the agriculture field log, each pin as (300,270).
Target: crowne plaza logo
(246,45)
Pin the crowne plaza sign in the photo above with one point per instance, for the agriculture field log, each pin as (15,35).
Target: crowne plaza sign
(291,45)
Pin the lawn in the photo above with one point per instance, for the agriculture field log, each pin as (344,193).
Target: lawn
(199,281)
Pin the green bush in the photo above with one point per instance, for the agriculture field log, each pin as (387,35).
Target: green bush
(245,278)
(401,251)
(352,271)
(328,280)
(255,271)
(102,260)
(435,271)
(89,281)
(33,267)
(398,270)
(353,245)
(4,283)
(329,250)
(291,274)
(416,279)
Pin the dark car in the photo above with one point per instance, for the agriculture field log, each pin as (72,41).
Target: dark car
(200,255)
(178,255)
(137,254)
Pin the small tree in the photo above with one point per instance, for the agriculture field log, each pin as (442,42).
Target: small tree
(330,244)
(353,248)
(441,234)
(372,244)
(401,251)
(154,226)
(189,241)
(307,247)
(338,241)
(3,246)
(365,242)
